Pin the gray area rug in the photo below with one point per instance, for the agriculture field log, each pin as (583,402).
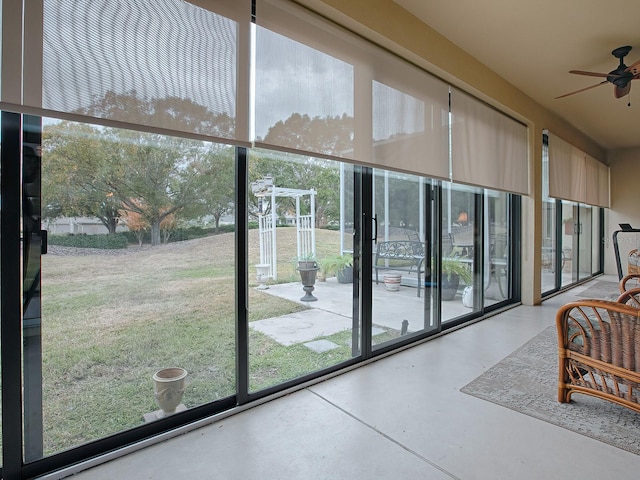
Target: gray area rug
(526,382)
(603,290)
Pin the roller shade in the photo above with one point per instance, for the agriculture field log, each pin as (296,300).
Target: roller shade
(489,149)
(576,176)
(410,117)
(603,186)
(322,90)
(170,65)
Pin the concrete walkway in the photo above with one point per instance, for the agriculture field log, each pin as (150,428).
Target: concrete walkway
(333,311)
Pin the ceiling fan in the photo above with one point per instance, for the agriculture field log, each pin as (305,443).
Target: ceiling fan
(620,77)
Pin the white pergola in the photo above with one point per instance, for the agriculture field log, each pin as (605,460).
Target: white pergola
(305,224)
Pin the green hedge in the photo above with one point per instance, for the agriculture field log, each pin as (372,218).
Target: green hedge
(121,240)
(177,235)
(105,242)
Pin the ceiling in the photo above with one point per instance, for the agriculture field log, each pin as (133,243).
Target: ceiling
(534,44)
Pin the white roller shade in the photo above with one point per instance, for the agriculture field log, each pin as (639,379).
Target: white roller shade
(576,176)
(410,118)
(166,64)
(489,149)
(304,96)
(322,90)
(603,185)
(592,181)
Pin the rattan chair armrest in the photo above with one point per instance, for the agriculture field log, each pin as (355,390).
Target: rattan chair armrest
(628,282)
(630,297)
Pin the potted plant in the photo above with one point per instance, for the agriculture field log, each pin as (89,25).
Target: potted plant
(453,270)
(339,265)
(308,269)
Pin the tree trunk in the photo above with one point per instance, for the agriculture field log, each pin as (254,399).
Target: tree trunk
(112,223)
(155,233)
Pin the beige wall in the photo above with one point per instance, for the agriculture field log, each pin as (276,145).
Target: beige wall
(387,24)
(625,205)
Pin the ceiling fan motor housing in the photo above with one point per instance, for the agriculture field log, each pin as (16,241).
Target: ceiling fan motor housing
(620,77)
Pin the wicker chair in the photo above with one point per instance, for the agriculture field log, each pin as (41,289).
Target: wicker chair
(630,297)
(630,281)
(597,351)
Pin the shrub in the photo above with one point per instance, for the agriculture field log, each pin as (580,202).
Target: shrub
(187,233)
(228,228)
(102,241)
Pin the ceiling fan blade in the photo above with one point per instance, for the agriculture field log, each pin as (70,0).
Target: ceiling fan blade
(590,74)
(583,89)
(619,92)
(634,68)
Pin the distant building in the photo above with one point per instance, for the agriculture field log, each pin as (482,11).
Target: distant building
(78,225)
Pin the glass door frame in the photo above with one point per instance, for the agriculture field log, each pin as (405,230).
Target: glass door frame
(559,255)
(11,294)
(14,465)
(430,196)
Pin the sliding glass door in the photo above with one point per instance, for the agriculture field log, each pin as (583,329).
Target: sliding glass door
(585,241)
(572,226)
(572,252)
(301,267)
(193,236)
(401,281)
(498,239)
(460,259)
(137,285)
(569,242)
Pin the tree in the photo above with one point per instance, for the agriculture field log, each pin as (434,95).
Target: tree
(214,184)
(102,172)
(173,113)
(136,224)
(76,175)
(328,135)
(153,180)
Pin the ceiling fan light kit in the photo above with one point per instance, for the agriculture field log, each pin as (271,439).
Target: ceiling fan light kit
(620,78)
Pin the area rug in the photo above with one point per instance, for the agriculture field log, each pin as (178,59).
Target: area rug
(603,290)
(526,382)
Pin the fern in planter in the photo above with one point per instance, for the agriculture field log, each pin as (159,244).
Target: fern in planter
(339,265)
(453,270)
(453,266)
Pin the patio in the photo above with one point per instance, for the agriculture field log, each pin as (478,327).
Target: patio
(333,311)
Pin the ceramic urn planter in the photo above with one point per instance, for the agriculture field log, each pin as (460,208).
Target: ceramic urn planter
(168,387)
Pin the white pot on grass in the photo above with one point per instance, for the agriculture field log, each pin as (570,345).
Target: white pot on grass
(168,388)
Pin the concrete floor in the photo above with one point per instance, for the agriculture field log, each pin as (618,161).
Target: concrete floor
(402,417)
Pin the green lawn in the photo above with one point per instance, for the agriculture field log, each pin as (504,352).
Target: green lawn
(111,321)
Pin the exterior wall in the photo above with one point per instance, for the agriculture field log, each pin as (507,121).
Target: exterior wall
(80,225)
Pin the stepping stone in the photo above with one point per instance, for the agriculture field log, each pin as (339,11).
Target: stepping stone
(377,331)
(320,346)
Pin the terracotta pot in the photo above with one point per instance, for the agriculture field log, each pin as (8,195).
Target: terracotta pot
(392,281)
